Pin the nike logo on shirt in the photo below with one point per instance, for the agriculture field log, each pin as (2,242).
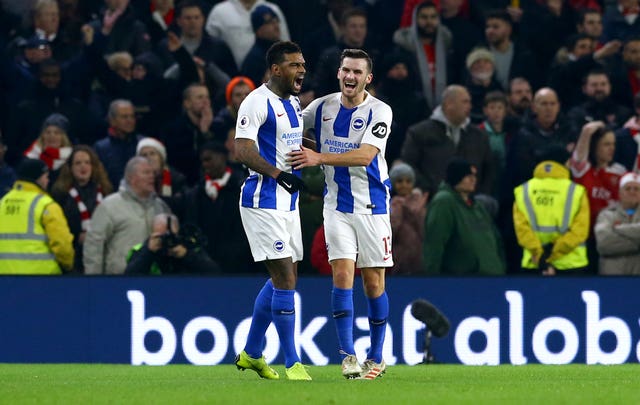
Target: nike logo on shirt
(280,115)
(326,118)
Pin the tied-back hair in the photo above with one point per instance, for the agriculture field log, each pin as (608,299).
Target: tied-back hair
(98,174)
(357,54)
(275,54)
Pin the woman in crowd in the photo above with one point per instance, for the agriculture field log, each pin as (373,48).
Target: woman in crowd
(53,145)
(80,187)
(592,165)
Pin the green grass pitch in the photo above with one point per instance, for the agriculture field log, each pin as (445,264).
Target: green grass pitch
(223,384)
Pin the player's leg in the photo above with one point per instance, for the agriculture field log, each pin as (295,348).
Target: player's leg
(374,243)
(342,251)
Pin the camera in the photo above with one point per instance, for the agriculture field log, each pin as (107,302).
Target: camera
(170,239)
(189,236)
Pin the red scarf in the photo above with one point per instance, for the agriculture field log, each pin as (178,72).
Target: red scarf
(168,18)
(53,157)
(84,213)
(213,187)
(165,190)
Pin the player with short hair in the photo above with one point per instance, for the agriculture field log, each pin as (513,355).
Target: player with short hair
(351,132)
(269,126)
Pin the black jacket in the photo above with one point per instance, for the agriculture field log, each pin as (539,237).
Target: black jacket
(194,262)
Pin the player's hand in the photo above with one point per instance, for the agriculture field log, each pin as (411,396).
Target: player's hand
(290,182)
(304,157)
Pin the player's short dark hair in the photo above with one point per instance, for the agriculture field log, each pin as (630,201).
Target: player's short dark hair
(495,96)
(499,14)
(357,54)
(187,4)
(352,12)
(275,54)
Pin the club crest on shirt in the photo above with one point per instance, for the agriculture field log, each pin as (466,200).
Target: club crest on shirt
(357,124)
(380,130)
(243,122)
(278,246)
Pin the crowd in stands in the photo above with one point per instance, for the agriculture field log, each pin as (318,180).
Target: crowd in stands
(513,149)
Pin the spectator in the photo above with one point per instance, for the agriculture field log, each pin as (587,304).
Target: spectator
(628,140)
(480,79)
(122,220)
(511,58)
(551,217)
(598,104)
(190,131)
(542,130)
(519,96)
(327,34)
(34,235)
(20,74)
(618,231)
(266,28)
(625,72)
(50,95)
(169,250)
(621,21)
(170,184)
(432,143)
(431,44)
(7,174)
(53,145)
(212,204)
(397,87)
(354,34)
(456,223)
(592,166)
(230,20)
(495,111)
(79,189)
(236,91)
(466,35)
(212,51)
(573,63)
(589,21)
(46,25)
(123,31)
(408,211)
(160,16)
(115,149)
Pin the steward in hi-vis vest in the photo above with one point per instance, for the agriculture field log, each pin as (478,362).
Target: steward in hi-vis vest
(34,234)
(551,219)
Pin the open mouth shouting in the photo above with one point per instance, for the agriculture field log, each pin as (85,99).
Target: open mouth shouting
(297,83)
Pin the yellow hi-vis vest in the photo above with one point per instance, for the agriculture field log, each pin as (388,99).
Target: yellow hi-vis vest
(23,242)
(550,204)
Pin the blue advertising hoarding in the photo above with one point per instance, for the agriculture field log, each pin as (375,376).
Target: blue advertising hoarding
(204,320)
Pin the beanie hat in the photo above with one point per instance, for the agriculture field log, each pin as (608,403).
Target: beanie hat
(457,169)
(402,171)
(155,144)
(56,120)
(479,54)
(234,82)
(630,177)
(31,169)
(259,16)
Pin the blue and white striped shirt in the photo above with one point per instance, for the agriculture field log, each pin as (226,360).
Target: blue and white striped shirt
(356,189)
(275,125)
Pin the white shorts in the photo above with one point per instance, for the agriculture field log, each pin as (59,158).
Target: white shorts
(272,234)
(363,238)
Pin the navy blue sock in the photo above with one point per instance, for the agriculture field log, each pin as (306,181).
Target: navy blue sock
(378,314)
(284,317)
(260,322)
(342,307)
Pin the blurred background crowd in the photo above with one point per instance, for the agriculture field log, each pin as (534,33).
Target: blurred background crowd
(130,107)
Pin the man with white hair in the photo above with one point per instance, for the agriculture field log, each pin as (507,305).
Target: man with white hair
(617,231)
(122,220)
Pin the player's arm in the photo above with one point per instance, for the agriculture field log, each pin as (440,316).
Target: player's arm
(357,157)
(247,153)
